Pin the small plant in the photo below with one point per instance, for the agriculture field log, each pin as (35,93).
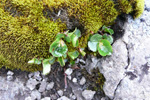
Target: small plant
(102,43)
(59,49)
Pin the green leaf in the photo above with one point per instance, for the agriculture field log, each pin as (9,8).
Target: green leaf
(35,61)
(75,41)
(77,33)
(46,67)
(59,49)
(65,55)
(54,45)
(72,62)
(73,55)
(61,61)
(104,47)
(67,38)
(106,29)
(108,37)
(82,51)
(96,38)
(51,60)
(59,36)
(92,46)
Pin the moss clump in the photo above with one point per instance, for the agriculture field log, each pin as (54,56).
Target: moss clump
(25,32)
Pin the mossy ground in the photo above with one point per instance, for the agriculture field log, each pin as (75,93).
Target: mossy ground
(25,32)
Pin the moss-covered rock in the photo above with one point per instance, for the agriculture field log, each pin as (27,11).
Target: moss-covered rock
(25,32)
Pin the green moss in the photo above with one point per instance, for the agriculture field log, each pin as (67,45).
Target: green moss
(139,8)
(25,32)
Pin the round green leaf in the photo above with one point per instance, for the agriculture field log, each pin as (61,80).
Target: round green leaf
(59,49)
(35,61)
(92,46)
(104,47)
(106,29)
(108,37)
(75,41)
(67,38)
(54,45)
(73,55)
(96,38)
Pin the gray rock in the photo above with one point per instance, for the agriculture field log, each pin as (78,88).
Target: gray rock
(82,61)
(63,98)
(69,77)
(10,73)
(74,80)
(53,97)
(31,83)
(50,86)
(46,98)
(37,76)
(28,98)
(60,92)
(88,94)
(9,78)
(30,75)
(35,95)
(43,86)
(69,71)
(82,81)
(73,97)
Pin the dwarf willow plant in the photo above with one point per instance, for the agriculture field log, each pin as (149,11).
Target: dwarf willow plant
(59,49)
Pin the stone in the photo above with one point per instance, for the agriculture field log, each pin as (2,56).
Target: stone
(88,94)
(53,97)
(35,95)
(74,80)
(82,61)
(28,98)
(69,71)
(31,83)
(60,92)
(9,78)
(43,86)
(73,97)
(10,73)
(50,86)
(37,76)
(30,75)
(69,77)
(46,98)
(82,81)
(63,98)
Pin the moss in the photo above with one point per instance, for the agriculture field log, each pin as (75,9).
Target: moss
(139,8)
(25,32)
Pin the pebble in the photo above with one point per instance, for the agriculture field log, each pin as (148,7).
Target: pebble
(148,9)
(9,78)
(74,80)
(31,84)
(37,76)
(69,77)
(10,73)
(30,75)
(50,86)
(82,61)
(69,71)
(46,98)
(82,81)
(35,95)
(60,92)
(43,86)
(28,98)
(53,97)
(88,94)
(63,98)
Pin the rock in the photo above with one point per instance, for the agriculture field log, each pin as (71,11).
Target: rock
(31,83)
(46,98)
(69,71)
(10,73)
(35,95)
(53,97)
(69,77)
(88,94)
(37,76)
(63,98)
(82,61)
(74,80)
(28,98)
(50,86)
(113,67)
(30,75)
(73,97)
(60,92)
(43,86)
(9,78)
(82,81)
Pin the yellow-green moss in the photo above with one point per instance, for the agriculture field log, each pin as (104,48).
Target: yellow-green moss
(139,8)
(25,32)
